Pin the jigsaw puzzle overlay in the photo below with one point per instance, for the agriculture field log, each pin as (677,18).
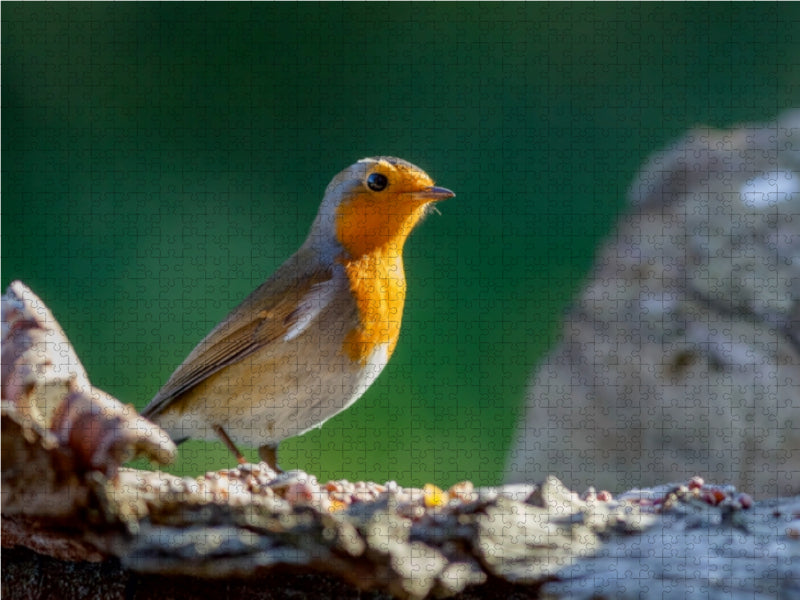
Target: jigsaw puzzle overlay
(161,161)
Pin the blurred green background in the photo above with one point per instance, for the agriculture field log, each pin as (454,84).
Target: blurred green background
(161,160)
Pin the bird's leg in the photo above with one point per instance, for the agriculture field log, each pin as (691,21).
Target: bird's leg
(229,444)
(269,454)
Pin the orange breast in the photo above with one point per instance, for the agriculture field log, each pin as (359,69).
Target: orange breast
(378,284)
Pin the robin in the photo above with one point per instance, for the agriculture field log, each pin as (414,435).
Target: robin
(309,341)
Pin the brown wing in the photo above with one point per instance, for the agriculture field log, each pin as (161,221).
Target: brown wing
(274,311)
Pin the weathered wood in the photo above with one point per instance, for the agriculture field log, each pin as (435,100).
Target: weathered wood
(253,531)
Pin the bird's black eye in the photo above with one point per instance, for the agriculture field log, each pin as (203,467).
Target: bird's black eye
(377,182)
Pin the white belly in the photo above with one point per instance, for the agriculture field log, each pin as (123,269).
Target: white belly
(266,412)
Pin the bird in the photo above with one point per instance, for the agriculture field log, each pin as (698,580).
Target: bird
(308,342)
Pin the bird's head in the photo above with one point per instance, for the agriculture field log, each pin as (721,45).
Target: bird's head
(375,204)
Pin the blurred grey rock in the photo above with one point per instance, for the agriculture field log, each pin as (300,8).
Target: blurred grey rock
(681,355)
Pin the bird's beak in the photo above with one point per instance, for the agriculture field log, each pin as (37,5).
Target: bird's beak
(435,193)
